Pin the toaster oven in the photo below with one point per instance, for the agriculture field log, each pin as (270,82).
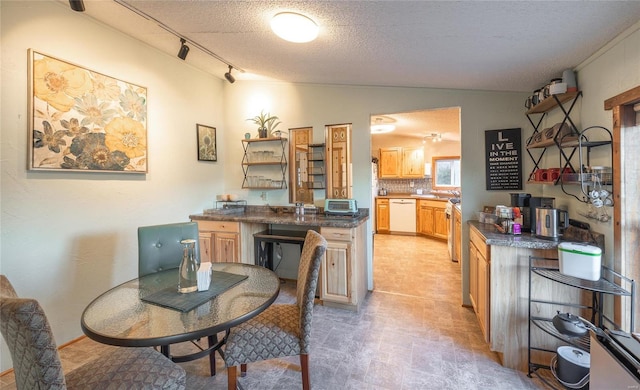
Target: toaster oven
(340,207)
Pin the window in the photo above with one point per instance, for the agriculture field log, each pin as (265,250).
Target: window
(446,172)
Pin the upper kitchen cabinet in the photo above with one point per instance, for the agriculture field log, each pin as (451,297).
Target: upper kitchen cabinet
(338,161)
(299,174)
(399,162)
(413,163)
(390,162)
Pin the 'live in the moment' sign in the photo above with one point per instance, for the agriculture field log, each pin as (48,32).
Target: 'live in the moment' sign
(504,159)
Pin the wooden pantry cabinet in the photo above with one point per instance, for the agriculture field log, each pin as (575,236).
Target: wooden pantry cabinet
(400,162)
(479,280)
(432,220)
(343,270)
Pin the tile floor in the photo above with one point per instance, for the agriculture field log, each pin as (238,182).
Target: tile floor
(411,333)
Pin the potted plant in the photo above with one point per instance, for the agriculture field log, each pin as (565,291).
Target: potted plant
(266,122)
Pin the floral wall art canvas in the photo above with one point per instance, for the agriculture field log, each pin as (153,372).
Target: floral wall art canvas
(82,120)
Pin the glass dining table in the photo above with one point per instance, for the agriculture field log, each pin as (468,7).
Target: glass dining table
(123,316)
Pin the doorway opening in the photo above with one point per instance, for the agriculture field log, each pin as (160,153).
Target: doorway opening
(403,147)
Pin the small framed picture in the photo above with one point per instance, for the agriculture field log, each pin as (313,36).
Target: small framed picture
(207,150)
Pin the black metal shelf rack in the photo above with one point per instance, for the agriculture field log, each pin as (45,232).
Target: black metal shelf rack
(610,283)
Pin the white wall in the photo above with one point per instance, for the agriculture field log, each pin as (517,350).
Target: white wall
(319,105)
(67,237)
(611,71)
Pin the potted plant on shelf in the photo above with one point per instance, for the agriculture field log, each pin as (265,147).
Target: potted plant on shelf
(266,122)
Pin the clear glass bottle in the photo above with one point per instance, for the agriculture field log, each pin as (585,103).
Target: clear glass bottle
(188,279)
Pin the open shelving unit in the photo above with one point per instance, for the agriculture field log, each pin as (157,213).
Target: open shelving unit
(260,153)
(610,283)
(316,169)
(569,144)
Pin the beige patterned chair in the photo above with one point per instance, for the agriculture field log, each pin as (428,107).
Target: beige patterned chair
(282,329)
(36,362)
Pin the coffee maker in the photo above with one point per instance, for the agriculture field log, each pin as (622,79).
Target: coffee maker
(528,205)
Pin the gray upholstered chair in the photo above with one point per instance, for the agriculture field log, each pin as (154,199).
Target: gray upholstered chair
(159,246)
(36,362)
(282,329)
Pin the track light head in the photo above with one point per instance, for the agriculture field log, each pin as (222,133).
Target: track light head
(230,77)
(184,49)
(77,5)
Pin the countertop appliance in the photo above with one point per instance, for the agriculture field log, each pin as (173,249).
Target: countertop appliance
(402,215)
(528,205)
(340,206)
(550,223)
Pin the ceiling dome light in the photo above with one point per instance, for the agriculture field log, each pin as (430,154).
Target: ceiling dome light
(294,27)
(381,129)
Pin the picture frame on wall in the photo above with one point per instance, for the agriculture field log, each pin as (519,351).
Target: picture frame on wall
(207,148)
(84,121)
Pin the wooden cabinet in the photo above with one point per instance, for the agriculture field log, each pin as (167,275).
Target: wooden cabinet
(412,163)
(226,241)
(382,215)
(401,163)
(338,161)
(440,222)
(389,163)
(425,218)
(457,234)
(432,220)
(479,280)
(219,241)
(343,270)
(473,276)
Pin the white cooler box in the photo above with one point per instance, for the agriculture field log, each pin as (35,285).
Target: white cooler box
(580,260)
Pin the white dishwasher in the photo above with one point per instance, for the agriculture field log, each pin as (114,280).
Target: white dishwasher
(402,215)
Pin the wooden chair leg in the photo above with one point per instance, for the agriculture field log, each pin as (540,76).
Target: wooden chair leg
(243,370)
(304,365)
(232,380)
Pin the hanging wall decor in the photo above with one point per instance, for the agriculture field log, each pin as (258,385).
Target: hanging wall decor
(81,120)
(207,150)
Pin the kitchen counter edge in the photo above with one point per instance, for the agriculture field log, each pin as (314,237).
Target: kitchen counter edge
(320,220)
(411,196)
(525,240)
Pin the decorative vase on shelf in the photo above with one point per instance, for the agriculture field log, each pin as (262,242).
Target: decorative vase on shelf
(188,279)
(262,132)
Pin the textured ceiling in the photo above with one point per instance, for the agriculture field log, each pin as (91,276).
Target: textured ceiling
(471,45)
(481,45)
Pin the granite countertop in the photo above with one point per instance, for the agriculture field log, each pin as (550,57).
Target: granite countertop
(524,240)
(265,214)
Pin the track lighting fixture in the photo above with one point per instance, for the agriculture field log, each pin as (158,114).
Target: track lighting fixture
(229,76)
(435,137)
(184,49)
(77,5)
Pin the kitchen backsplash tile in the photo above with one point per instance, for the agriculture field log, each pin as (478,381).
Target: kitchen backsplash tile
(396,186)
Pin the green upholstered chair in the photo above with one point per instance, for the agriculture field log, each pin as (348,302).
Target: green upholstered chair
(159,246)
(36,362)
(282,329)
